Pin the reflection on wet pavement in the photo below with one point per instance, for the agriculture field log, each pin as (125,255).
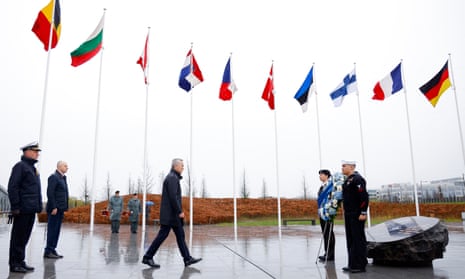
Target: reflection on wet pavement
(257,253)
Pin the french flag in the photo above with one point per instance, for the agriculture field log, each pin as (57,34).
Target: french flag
(190,73)
(228,87)
(389,85)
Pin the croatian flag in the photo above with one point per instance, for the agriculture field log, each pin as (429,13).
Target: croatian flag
(305,91)
(389,85)
(228,87)
(347,86)
(190,73)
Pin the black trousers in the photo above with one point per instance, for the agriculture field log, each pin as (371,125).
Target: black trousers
(328,236)
(53,230)
(356,241)
(163,234)
(20,234)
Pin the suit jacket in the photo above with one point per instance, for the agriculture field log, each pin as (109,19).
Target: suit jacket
(57,192)
(171,200)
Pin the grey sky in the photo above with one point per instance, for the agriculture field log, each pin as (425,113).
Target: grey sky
(332,34)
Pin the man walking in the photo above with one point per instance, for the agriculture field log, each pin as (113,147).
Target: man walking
(134,208)
(57,204)
(115,205)
(355,209)
(171,217)
(25,200)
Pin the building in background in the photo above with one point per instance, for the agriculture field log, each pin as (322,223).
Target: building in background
(444,190)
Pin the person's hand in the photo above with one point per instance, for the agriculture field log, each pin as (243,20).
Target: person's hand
(54,211)
(362,217)
(181,215)
(15,212)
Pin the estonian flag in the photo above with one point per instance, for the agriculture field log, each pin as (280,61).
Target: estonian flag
(347,86)
(305,91)
(190,74)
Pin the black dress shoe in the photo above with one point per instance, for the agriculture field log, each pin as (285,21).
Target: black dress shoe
(346,269)
(356,270)
(27,267)
(18,269)
(192,261)
(150,262)
(328,259)
(51,256)
(56,254)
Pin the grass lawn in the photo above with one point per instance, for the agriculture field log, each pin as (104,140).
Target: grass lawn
(273,221)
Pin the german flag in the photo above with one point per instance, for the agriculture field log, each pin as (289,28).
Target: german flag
(434,88)
(42,24)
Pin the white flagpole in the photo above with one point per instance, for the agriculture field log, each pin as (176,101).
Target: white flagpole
(277,161)
(97,122)
(44,97)
(317,120)
(191,176)
(362,145)
(457,108)
(415,194)
(146,76)
(233,158)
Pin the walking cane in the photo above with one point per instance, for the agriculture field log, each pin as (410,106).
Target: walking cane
(329,239)
(321,242)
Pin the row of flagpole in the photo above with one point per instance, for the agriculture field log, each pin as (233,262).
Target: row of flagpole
(272,92)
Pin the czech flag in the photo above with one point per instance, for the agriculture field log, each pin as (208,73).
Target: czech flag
(228,87)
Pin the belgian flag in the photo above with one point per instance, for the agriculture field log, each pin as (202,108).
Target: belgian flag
(42,24)
(434,88)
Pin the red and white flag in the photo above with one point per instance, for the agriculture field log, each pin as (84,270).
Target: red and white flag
(268,92)
(143,59)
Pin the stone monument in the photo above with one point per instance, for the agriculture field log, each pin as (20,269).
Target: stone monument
(407,241)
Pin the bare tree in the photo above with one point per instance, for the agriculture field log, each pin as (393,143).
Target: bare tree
(305,188)
(264,189)
(161,178)
(189,182)
(139,185)
(203,191)
(244,187)
(131,186)
(149,179)
(108,187)
(85,191)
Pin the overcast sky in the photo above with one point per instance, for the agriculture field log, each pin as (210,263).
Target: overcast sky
(375,35)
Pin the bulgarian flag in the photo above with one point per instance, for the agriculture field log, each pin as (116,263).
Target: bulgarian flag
(90,47)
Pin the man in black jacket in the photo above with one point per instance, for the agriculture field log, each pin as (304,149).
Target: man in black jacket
(355,209)
(26,200)
(57,204)
(171,217)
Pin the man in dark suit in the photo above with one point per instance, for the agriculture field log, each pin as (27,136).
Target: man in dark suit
(171,217)
(26,200)
(57,204)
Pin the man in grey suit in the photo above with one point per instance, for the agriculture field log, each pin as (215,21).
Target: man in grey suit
(171,217)
(115,206)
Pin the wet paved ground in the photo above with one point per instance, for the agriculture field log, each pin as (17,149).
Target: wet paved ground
(257,253)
